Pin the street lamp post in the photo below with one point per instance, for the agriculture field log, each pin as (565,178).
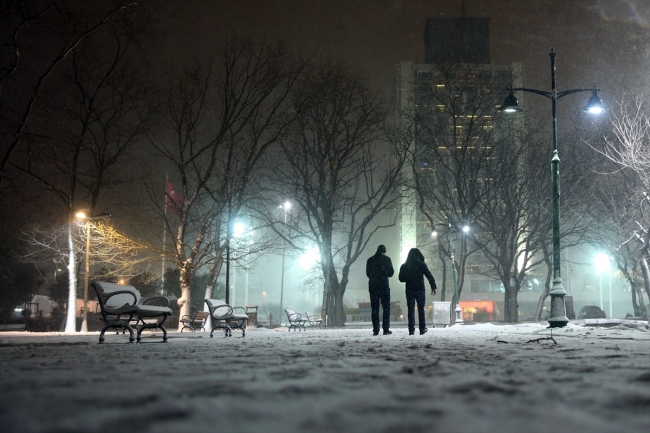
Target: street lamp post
(239,231)
(458,311)
(82,216)
(558,318)
(285,207)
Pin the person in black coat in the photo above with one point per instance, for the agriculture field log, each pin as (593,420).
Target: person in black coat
(412,273)
(378,269)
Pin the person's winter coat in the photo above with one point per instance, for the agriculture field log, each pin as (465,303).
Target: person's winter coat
(378,269)
(413,271)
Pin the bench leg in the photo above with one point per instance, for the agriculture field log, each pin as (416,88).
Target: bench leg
(117,329)
(151,326)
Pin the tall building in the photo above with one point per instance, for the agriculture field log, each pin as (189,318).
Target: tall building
(451,101)
(457,63)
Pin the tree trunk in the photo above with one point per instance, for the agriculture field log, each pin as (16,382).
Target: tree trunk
(186,294)
(71,313)
(443,291)
(646,275)
(635,304)
(339,312)
(510,306)
(643,312)
(213,275)
(547,284)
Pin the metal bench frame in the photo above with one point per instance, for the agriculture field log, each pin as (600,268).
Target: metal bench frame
(314,320)
(195,322)
(296,320)
(223,316)
(133,308)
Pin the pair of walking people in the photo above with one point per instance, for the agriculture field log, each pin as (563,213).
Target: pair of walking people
(379,268)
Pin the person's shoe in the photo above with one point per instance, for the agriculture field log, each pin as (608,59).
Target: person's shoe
(387,332)
(375,333)
(411,332)
(423,331)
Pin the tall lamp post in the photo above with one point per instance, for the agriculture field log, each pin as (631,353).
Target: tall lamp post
(558,318)
(458,311)
(285,207)
(239,232)
(83,217)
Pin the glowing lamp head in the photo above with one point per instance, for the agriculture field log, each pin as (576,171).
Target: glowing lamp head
(510,104)
(594,105)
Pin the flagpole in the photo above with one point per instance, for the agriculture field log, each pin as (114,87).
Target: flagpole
(162,273)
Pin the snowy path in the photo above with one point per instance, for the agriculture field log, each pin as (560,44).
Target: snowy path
(480,378)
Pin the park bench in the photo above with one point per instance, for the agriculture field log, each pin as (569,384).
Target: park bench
(296,320)
(121,305)
(197,321)
(314,320)
(223,316)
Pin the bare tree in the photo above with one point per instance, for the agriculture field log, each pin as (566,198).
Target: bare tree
(340,170)
(627,147)
(220,118)
(112,253)
(40,36)
(91,129)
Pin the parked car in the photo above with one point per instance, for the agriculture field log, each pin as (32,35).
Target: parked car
(591,312)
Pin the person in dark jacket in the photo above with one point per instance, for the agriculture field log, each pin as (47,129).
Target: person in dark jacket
(412,273)
(378,269)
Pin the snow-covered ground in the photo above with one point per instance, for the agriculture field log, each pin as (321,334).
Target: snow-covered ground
(471,378)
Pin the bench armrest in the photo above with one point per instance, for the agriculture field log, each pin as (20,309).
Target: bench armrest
(243,310)
(213,308)
(143,301)
(106,296)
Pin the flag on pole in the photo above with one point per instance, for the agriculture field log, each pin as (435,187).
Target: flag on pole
(173,200)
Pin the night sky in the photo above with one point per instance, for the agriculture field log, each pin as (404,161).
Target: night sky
(599,42)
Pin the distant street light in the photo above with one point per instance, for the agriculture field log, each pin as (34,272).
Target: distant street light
(83,217)
(601,261)
(558,318)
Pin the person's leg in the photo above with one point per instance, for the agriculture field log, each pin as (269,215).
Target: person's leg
(374,311)
(385,305)
(410,305)
(421,299)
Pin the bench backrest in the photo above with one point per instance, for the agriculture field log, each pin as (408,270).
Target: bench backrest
(218,307)
(103,289)
(200,315)
(292,315)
